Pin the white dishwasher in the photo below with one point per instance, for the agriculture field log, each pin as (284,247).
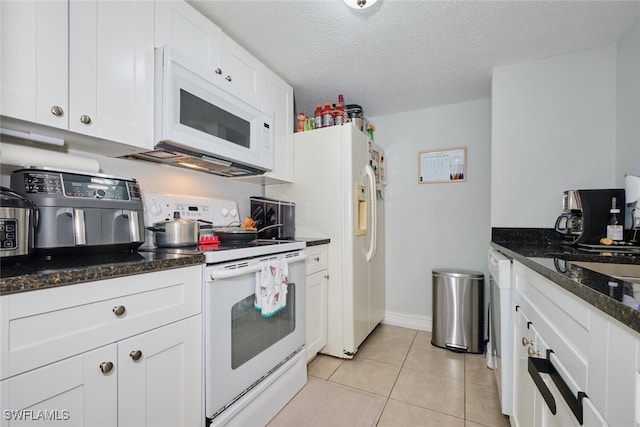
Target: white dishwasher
(501,327)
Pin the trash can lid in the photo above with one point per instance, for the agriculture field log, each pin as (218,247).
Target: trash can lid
(451,272)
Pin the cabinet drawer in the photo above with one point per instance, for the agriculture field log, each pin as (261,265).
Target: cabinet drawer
(316,259)
(43,326)
(560,317)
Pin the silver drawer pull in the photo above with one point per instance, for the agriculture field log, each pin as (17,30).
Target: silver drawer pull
(317,259)
(57,111)
(106,367)
(119,310)
(526,342)
(135,355)
(218,71)
(228,78)
(84,119)
(531,352)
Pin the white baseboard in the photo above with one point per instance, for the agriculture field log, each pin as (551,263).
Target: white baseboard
(421,323)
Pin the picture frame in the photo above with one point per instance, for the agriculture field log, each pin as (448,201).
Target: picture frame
(442,166)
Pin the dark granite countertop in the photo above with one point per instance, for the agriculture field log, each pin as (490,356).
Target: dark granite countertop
(37,273)
(553,260)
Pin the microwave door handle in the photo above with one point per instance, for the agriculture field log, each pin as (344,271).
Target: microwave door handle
(227,274)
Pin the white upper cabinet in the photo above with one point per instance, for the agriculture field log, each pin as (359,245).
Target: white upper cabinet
(241,71)
(111,70)
(180,25)
(79,65)
(278,97)
(34,61)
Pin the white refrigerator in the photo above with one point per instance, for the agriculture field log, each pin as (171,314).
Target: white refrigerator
(338,191)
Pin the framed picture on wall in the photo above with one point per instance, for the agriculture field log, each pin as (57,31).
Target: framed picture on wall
(445,165)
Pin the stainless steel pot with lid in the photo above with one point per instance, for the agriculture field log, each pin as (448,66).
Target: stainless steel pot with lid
(175,233)
(17,225)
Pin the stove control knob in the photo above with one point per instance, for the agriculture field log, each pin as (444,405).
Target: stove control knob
(224,212)
(100,193)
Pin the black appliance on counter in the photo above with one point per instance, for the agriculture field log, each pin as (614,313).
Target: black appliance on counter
(79,213)
(268,212)
(594,216)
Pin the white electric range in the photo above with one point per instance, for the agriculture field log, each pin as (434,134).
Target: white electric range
(254,362)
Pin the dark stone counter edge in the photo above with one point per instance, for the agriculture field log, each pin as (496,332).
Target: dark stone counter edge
(73,276)
(314,241)
(622,313)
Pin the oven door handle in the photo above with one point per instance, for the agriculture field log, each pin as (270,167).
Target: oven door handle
(217,274)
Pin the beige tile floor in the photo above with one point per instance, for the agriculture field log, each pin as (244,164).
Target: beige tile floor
(397,379)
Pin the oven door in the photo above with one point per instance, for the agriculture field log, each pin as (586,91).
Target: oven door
(241,346)
(196,113)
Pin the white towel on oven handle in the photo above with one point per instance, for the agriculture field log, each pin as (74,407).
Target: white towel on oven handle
(271,287)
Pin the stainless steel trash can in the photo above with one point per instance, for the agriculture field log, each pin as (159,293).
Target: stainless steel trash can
(458,301)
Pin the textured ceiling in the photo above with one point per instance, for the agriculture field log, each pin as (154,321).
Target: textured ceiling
(401,55)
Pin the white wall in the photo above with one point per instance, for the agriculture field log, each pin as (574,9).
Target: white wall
(553,129)
(628,106)
(432,225)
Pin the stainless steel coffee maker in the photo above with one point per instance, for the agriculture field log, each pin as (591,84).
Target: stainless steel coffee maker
(570,223)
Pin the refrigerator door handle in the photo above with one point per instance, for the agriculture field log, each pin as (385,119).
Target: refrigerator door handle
(374,214)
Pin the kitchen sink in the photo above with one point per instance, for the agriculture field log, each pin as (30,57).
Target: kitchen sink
(626,272)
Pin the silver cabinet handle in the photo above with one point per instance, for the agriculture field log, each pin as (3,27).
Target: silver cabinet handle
(119,310)
(85,119)
(532,352)
(317,259)
(228,78)
(106,367)
(218,71)
(326,276)
(135,355)
(526,342)
(57,111)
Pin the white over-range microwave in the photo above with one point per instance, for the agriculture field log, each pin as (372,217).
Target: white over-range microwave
(202,126)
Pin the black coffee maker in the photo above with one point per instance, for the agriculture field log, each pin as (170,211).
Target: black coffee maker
(589,225)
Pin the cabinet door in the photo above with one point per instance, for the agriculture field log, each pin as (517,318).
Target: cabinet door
(72,392)
(523,386)
(160,377)
(34,61)
(316,312)
(111,70)
(178,24)
(278,99)
(241,71)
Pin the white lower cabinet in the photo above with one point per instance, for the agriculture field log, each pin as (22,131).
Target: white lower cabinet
(524,398)
(159,378)
(78,391)
(317,283)
(592,357)
(125,351)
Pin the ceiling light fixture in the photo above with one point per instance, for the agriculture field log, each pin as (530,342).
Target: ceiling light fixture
(360,4)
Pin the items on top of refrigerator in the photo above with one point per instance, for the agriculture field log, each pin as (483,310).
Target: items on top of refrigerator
(329,115)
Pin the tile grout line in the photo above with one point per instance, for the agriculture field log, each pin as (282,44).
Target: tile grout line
(386,401)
